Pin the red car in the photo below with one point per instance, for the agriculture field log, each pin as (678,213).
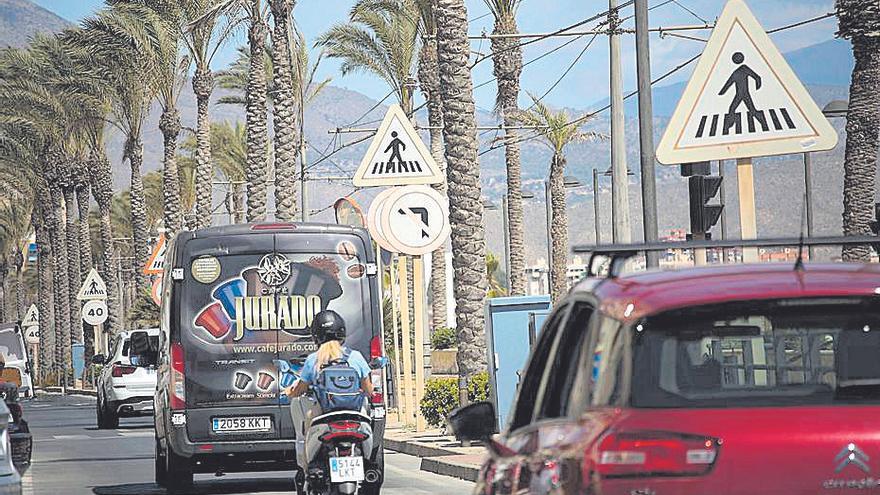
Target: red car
(736,379)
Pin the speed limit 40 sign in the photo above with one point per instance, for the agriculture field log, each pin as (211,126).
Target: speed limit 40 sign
(94,312)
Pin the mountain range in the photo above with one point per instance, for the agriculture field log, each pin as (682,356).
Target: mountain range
(825,68)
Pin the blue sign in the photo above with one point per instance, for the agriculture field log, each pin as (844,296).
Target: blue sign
(512,325)
(79,359)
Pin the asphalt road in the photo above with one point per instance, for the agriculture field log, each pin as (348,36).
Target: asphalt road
(73,457)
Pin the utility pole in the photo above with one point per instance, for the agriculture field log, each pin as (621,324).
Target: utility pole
(646,130)
(304,180)
(808,197)
(548,211)
(596,207)
(619,182)
(505,228)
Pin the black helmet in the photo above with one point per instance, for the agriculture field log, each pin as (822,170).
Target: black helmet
(326,326)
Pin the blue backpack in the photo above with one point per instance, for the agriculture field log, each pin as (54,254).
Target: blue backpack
(338,386)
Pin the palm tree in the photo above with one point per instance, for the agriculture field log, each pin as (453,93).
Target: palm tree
(284,110)
(558,132)
(860,23)
(429,81)
(124,41)
(229,149)
(203,39)
(380,39)
(508,65)
(463,172)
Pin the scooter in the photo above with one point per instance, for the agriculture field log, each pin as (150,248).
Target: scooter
(333,449)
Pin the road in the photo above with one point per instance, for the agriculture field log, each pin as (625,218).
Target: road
(73,457)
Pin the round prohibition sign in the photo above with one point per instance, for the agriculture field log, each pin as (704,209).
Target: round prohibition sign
(415,220)
(373,223)
(94,312)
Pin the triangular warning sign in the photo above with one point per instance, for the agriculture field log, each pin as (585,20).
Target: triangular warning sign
(743,100)
(397,156)
(93,287)
(156,262)
(32,318)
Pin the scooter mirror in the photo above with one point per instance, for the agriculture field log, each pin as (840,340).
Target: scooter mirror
(379,362)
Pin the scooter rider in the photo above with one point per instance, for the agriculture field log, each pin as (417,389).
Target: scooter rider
(328,331)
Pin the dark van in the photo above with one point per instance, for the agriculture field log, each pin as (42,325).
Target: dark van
(236,305)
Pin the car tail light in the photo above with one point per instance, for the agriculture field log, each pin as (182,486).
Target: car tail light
(378,396)
(652,453)
(274,226)
(120,370)
(178,378)
(343,435)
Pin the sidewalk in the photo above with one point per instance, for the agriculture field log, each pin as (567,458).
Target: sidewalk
(441,454)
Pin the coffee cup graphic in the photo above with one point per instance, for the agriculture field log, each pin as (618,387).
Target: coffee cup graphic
(242,380)
(264,380)
(214,320)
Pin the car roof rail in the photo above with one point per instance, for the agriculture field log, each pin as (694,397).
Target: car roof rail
(620,253)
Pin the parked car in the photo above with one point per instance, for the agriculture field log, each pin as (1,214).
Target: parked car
(127,382)
(20,439)
(18,368)
(236,305)
(736,379)
(10,479)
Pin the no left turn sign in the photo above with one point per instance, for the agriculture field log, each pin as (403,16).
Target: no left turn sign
(415,220)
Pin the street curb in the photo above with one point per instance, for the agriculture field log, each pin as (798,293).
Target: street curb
(416,449)
(70,391)
(451,469)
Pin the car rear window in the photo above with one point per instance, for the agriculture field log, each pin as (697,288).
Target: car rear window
(760,353)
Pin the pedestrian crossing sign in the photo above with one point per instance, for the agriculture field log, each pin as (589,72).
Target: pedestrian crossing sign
(32,318)
(743,100)
(93,287)
(397,156)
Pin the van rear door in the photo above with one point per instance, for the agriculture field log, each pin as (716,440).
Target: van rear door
(228,344)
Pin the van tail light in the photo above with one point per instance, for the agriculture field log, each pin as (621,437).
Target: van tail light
(178,378)
(120,370)
(377,398)
(655,453)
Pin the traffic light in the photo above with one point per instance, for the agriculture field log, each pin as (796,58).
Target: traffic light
(691,169)
(703,215)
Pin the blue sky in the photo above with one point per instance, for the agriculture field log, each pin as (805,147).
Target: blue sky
(587,81)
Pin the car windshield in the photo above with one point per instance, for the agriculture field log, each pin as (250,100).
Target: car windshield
(10,345)
(760,353)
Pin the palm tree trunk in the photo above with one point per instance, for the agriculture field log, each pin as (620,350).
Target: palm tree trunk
(7,290)
(18,259)
(508,68)
(44,284)
(139,229)
(169,124)
(60,283)
(558,227)
(255,106)
(429,79)
(83,193)
(103,190)
(74,278)
(466,207)
(862,128)
(238,201)
(284,112)
(203,84)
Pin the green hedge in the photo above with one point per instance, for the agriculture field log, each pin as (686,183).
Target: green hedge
(443,338)
(441,396)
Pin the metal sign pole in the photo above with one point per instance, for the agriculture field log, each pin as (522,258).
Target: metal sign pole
(401,405)
(419,306)
(408,396)
(747,219)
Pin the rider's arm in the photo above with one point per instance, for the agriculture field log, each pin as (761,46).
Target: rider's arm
(297,389)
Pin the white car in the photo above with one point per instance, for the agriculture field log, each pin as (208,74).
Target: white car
(128,381)
(18,364)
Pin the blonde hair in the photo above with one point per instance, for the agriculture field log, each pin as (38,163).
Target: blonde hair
(328,352)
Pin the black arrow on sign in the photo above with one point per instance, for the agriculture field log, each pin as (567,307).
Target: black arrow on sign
(423,214)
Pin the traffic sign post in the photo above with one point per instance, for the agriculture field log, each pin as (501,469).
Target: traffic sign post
(743,101)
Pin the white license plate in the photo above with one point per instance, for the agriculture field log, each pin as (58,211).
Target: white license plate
(242,424)
(346,469)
